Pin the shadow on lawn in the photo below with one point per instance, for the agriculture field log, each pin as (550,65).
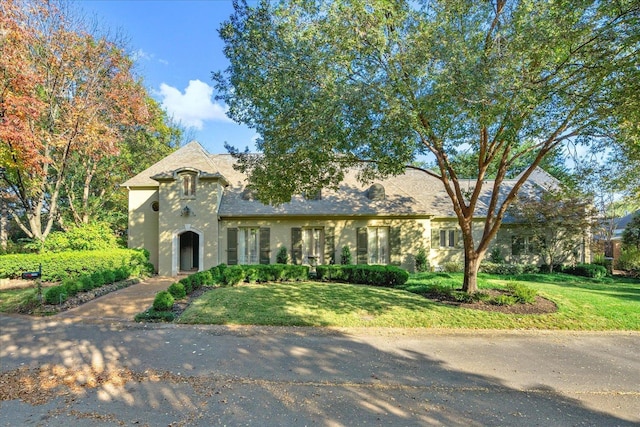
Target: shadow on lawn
(274,376)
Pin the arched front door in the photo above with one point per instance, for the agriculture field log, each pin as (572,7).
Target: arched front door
(189,247)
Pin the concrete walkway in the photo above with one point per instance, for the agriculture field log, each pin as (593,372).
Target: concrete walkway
(123,304)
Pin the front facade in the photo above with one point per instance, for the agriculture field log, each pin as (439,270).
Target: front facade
(192,211)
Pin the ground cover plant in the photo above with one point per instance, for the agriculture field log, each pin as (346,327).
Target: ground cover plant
(582,304)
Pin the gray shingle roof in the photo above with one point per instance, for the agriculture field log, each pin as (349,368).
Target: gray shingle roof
(413,193)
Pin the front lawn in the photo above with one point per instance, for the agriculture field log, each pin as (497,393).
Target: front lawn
(583,304)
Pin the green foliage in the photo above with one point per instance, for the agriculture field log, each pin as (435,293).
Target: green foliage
(586,270)
(422,263)
(507,269)
(282,257)
(58,266)
(522,294)
(495,256)
(163,301)
(504,300)
(345,255)
(72,286)
(55,295)
(631,233)
(373,275)
(452,267)
(153,315)
(629,259)
(177,290)
(232,275)
(86,237)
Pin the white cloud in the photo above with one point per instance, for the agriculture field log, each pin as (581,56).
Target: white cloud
(194,106)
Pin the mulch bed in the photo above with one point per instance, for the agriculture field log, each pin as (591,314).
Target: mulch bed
(540,306)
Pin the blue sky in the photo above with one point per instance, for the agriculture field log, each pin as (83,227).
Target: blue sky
(176,46)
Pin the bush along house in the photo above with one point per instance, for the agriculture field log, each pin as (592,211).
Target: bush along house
(192,211)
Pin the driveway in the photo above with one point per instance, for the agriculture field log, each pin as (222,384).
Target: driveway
(67,370)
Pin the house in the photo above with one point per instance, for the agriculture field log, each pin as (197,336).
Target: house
(192,211)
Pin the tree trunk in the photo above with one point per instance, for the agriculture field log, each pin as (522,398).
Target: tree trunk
(471,265)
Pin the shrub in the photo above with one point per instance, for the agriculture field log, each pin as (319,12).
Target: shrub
(452,267)
(374,275)
(97,278)
(87,282)
(522,294)
(163,301)
(282,257)
(232,276)
(504,300)
(58,266)
(109,277)
(345,255)
(72,286)
(55,295)
(495,256)
(86,237)
(629,259)
(586,270)
(507,269)
(177,290)
(422,264)
(187,283)
(152,315)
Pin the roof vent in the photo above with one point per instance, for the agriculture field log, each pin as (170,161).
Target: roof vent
(376,192)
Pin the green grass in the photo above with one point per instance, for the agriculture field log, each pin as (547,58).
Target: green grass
(583,304)
(11,300)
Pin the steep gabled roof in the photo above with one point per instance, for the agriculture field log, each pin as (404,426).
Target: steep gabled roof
(413,193)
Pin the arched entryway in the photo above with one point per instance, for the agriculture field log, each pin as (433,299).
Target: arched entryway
(189,252)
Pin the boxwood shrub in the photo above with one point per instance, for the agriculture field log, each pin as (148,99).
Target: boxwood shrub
(374,275)
(55,295)
(177,290)
(163,301)
(507,269)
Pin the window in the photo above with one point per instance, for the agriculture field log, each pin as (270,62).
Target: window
(378,245)
(312,245)
(248,245)
(523,245)
(447,238)
(188,184)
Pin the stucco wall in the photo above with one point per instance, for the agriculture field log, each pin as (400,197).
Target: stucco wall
(143,222)
(414,233)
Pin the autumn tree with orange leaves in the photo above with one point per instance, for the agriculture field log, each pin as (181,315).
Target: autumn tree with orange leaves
(68,102)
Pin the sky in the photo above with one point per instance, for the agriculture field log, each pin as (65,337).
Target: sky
(177,47)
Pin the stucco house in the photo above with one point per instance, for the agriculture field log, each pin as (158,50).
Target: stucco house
(192,211)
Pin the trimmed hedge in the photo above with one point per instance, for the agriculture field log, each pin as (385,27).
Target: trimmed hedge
(586,270)
(507,269)
(62,265)
(177,290)
(373,275)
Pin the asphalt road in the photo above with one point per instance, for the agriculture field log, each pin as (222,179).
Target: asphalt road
(122,374)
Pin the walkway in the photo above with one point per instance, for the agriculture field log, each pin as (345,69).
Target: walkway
(123,304)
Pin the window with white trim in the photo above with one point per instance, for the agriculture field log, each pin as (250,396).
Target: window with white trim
(248,245)
(378,245)
(524,245)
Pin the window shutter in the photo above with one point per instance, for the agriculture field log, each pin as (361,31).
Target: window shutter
(232,246)
(395,242)
(435,238)
(329,246)
(517,245)
(296,245)
(265,249)
(363,242)
(459,239)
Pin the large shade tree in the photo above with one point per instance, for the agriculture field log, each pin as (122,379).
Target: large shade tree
(72,114)
(375,84)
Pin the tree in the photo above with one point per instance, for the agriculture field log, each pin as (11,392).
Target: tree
(559,223)
(631,233)
(373,84)
(77,99)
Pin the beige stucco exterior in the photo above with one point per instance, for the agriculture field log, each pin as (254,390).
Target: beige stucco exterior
(184,208)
